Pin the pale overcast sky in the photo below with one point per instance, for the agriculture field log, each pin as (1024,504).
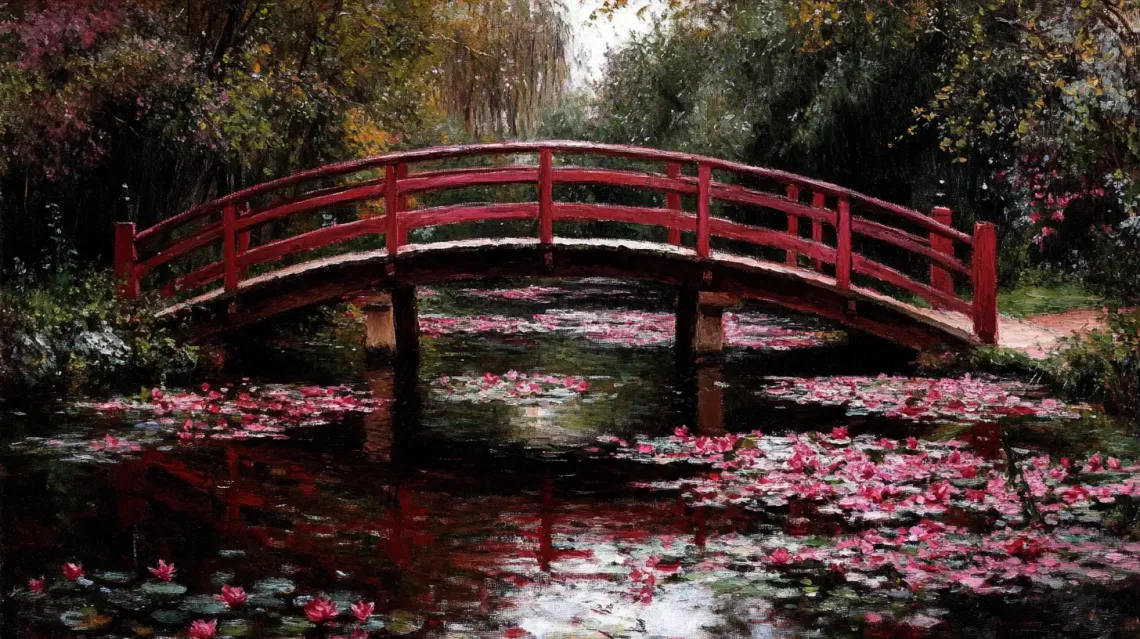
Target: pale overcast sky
(592,38)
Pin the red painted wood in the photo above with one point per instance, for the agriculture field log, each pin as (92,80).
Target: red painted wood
(910,242)
(402,200)
(242,243)
(649,216)
(884,273)
(467,177)
(456,214)
(193,279)
(126,275)
(546,197)
(940,278)
(229,246)
(741,195)
(312,240)
(206,236)
(865,203)
(791,258)
(985,282)
(817,201)
(843,245)
(357,194)
(673,200)
(704,176)
(391,207)
(769,237)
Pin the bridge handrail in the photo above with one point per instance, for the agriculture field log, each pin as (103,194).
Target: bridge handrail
(937,244)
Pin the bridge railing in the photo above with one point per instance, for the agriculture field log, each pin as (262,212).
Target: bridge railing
(823,221)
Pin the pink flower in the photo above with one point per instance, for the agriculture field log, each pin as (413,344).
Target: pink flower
(163,571)
(1113,463)
(36,585)
(203,629)
(72,571)
(361,610)
(681,431)
(156,395)
(645,449)
(205,387)
(839,432)
(911,443)
(232,596)
(320,610)
(1058,215)
(779,556)
(873,617)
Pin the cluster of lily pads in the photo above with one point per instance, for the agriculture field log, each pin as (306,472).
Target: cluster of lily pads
(86,603)
(883,522)
(227,413)
(964,399)
(513,387)
(632,328)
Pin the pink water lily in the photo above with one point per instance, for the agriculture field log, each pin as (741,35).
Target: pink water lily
(232,596)
(163,570)
(320,610)
(72,572)
(780,556)
(362,610)
(36,585)
(200,629)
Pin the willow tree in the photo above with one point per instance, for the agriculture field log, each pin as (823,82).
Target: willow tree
(503,62)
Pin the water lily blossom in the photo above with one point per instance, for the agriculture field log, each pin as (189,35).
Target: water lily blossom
(36,585)
(200,629)
(72,571)
(362,610)
(320,610)
(232,596)
(163,571)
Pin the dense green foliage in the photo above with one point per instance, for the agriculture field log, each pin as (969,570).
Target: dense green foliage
(1104,365)
(62,327)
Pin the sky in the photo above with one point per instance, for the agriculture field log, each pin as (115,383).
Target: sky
(593,37)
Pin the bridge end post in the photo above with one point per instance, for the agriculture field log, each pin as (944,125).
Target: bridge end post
(941,279)
(985,282)
(125,257)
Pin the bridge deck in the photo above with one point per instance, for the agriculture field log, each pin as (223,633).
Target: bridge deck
(1033,339)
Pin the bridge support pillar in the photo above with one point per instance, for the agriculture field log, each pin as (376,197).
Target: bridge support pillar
(406,320)
(379,327)
(700,321)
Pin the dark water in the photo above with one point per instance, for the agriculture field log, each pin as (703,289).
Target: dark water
(466,510)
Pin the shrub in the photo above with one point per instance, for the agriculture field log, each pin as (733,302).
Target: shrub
(65,328)
(1104,365)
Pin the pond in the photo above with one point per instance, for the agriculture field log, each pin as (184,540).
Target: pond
(549,470)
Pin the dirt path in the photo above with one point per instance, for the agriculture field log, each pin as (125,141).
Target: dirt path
(1039,335)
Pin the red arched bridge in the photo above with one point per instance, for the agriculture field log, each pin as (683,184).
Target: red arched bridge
(729,230)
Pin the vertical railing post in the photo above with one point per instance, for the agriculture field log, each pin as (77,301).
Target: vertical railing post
(402,201)
(546,196)
(229,246)
(125,256)
(791,258)
(673,200)
(243,243)
(941,279)
(704,174)
(391,204)
(817,201)
(843,244)
(985,282)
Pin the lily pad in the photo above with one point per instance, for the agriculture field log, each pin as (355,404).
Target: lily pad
(294,625)
(115,577)
(203,605)
(163,588)
(275,585)
(264,601)
(231,553)
(169,617)
(403,622)
(222,577)
(127,599)
(84,619)
(234,628)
